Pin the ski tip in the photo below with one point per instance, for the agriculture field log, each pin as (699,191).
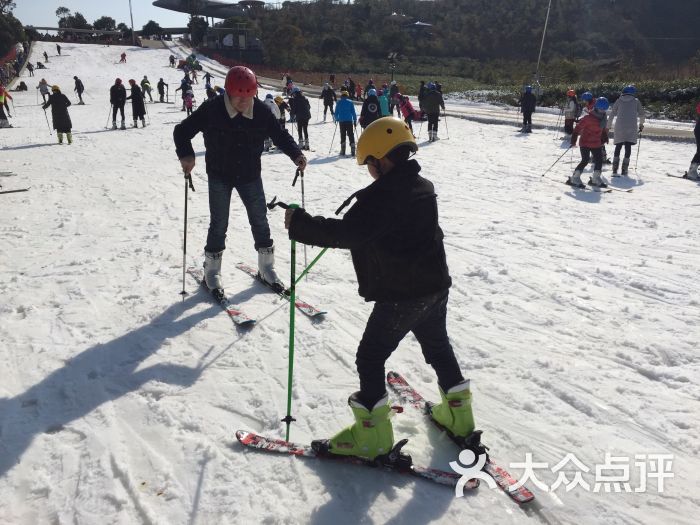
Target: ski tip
(241,435)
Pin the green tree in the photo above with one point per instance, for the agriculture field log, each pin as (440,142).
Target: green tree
(11,32)
(151,28)
(62,12)
(6,6)
(126,31)
(105,23)
(198,28)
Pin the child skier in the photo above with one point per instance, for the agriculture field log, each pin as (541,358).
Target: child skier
(693,170)
(528,103)
(629,124)
(371,110)
(270,104)
(406,110)
(397,248)
(302,108)
(432,102)
(189,101)
(346,118)
(59,114)
(146,88)
(283,107)
(161,85)
(570,112)
(593,133)
(383,102)
(329,98)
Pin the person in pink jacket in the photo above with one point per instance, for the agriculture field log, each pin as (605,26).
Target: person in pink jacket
(406,110)
(591,129)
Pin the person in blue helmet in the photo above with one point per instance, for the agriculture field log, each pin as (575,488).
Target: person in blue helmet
(527,103)
(593,133)
(588,102)
(371,109)
(628,117)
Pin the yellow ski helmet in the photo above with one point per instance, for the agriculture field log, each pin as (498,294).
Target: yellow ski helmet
(382,137)
(279,99)
(55,88)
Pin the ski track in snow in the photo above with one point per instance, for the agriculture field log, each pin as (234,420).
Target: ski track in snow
(576,315)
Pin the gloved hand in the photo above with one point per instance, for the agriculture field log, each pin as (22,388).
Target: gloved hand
(641,128)
(300,162)
(604,136)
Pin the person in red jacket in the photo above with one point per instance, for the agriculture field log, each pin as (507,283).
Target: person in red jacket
(406,110)
(591,129)
(693,171)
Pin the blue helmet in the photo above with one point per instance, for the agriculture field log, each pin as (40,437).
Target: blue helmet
(602,104)
(431,85)
(528,89)
(296,90)
(372,92)
(269,95)
(587,96)
(629,90)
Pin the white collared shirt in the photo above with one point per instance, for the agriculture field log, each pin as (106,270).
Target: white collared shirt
(232,111)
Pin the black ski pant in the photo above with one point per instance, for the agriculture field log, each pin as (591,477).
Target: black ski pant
(303,129)
(628,149)
(568,126)
(116,107)
(409,120)
(326,107)
(346,129)
(433,121)
(527,118)
(586,158)
(161,94)
(386,327)
(696,158)
(80,96)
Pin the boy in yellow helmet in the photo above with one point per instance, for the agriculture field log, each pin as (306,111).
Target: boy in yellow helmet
(395,241)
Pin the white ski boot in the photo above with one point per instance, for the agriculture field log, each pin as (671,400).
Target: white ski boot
(212,270)
(575,180)
(266,269)
(597,180)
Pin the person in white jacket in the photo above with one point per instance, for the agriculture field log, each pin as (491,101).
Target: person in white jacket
(570,113)
(272,106)
(628,116)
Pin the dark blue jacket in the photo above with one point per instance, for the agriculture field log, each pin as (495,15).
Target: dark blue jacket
(233,145)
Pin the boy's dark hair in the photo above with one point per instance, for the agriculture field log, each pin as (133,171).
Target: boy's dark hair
(400,154)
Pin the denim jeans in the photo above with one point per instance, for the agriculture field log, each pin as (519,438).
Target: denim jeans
(253,197)
(388,324)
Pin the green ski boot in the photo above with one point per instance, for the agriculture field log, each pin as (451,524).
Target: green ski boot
(370,436)
(455,411)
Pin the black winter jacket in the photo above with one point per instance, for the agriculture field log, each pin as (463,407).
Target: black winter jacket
(138,105)
(302,108)
(528,102)
(117,95)
(328,95)
(392,233)
(432,101)
(233,145)
(59,112)
(370,111)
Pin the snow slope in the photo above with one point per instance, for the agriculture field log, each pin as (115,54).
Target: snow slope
(576,315)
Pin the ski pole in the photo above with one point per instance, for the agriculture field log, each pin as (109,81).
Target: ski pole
(188,184)
(446,130)
(333,139)
(318,105)
(306,270)
(292,310)
(167,94)
(37,95)
(299,174)
(108,113)
(420,128)
(47,123)
(147,115)
(555,162)
(556,127)
(638,145)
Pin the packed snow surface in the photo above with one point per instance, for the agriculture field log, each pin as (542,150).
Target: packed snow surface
(575,314)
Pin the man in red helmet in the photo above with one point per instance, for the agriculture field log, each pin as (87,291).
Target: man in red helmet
(235,126)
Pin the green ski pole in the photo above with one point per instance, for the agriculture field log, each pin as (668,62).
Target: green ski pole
(292,310)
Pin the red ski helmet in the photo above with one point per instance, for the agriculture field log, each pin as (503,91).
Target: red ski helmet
(241,82)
